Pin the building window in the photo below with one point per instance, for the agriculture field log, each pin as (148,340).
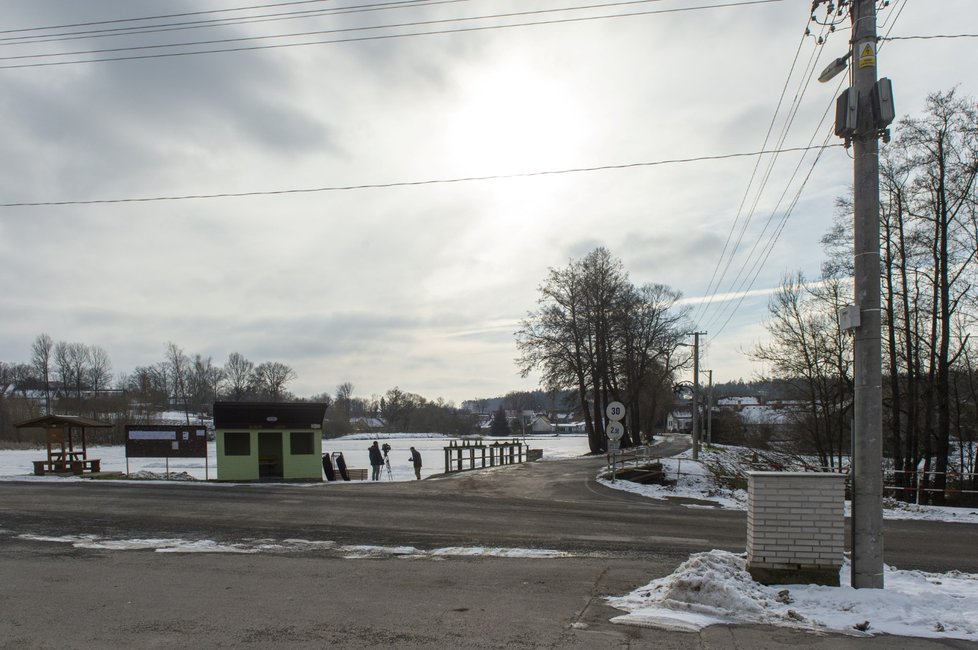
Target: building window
(301,443)
(237,443)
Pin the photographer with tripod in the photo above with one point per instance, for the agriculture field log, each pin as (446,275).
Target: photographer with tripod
(376,460)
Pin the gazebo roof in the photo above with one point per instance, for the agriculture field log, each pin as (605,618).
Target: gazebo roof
(61,421)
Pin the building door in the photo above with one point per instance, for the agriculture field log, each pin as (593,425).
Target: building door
(270,455)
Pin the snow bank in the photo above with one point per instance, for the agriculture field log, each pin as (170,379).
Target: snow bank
(715,587)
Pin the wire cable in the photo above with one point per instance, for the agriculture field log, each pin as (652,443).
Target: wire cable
(161,16)
(320,32)
(370,186)
(222,22)
(250,48)
(805,77)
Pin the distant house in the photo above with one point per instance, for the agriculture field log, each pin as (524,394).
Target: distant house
(737,403)
(571,427)
(269,440)
(679,421)
(541,424)
(367,424)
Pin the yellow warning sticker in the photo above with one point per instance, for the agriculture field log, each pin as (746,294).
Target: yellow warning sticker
(867,56)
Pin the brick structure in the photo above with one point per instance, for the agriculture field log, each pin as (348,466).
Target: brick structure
(795,527)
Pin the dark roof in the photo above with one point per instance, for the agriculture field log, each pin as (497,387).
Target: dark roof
(269,415)
(61,421)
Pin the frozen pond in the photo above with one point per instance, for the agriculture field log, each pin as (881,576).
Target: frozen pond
(18,463)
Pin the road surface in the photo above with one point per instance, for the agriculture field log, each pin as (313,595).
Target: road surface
(312,595)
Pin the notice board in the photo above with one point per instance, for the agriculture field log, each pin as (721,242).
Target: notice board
(165,441)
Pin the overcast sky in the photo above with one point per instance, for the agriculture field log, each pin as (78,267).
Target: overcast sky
(418,286)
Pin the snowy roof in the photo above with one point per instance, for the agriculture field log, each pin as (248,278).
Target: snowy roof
(737,401)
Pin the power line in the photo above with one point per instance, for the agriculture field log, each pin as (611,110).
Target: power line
(710,289)
(433,181)
(320,32)
(740,3)
(718,275)
(157,17)
(927,38)
(221,22)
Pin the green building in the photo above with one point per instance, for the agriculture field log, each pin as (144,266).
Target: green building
(274,441)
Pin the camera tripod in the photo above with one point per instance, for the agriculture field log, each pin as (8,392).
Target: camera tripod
(387,464)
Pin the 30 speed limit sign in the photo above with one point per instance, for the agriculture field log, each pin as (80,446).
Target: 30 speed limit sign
(615,411)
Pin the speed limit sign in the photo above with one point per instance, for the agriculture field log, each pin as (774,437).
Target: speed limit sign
(615,411)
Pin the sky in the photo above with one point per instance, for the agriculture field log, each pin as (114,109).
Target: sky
(408,282)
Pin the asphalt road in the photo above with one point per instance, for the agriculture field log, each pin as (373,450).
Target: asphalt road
(56,595)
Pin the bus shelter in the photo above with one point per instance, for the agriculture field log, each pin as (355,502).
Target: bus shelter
(67,443)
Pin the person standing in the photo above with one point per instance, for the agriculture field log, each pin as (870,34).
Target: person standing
(376,461)
(416,461)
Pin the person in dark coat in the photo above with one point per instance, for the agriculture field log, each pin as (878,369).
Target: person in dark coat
(376,460)
(416,461)
(328,467)
(341,466)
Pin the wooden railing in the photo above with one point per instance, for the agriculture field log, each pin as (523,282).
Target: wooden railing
(462,455)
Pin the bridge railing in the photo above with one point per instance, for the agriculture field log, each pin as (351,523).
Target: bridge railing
(462,455)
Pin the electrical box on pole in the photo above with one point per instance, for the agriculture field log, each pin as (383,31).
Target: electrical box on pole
(881,99)
(847,113)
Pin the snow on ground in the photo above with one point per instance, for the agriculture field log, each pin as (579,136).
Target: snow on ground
(16,464)
(251,546)
(715,587)
(698,480)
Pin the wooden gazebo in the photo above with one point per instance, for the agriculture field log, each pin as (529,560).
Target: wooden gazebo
(63,456)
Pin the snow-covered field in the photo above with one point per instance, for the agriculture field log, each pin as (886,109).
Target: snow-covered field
(17,464)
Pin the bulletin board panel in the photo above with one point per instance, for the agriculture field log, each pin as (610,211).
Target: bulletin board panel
(165,441)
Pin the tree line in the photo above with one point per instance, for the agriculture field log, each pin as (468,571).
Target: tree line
(396,411)
(929,227)
(76,379)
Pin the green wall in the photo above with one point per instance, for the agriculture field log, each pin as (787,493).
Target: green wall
(306,467)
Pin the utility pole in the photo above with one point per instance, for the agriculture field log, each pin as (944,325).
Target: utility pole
(696,394)
(867,470)
(709,410)
(863,112)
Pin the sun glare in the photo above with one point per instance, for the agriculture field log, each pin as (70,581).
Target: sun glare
(510,119)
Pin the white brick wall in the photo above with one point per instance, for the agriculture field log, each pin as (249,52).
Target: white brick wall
(795,521)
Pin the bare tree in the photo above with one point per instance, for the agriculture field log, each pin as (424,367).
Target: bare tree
(271,378)
(238,373)
(99,372)
(808,351)
(596,335)
(41,362)
(179,366)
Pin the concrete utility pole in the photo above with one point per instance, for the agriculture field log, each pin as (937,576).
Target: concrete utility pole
(696,394)
(867,471)
(709,410)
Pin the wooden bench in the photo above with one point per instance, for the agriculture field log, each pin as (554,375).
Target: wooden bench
(76,467)
(356,474)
